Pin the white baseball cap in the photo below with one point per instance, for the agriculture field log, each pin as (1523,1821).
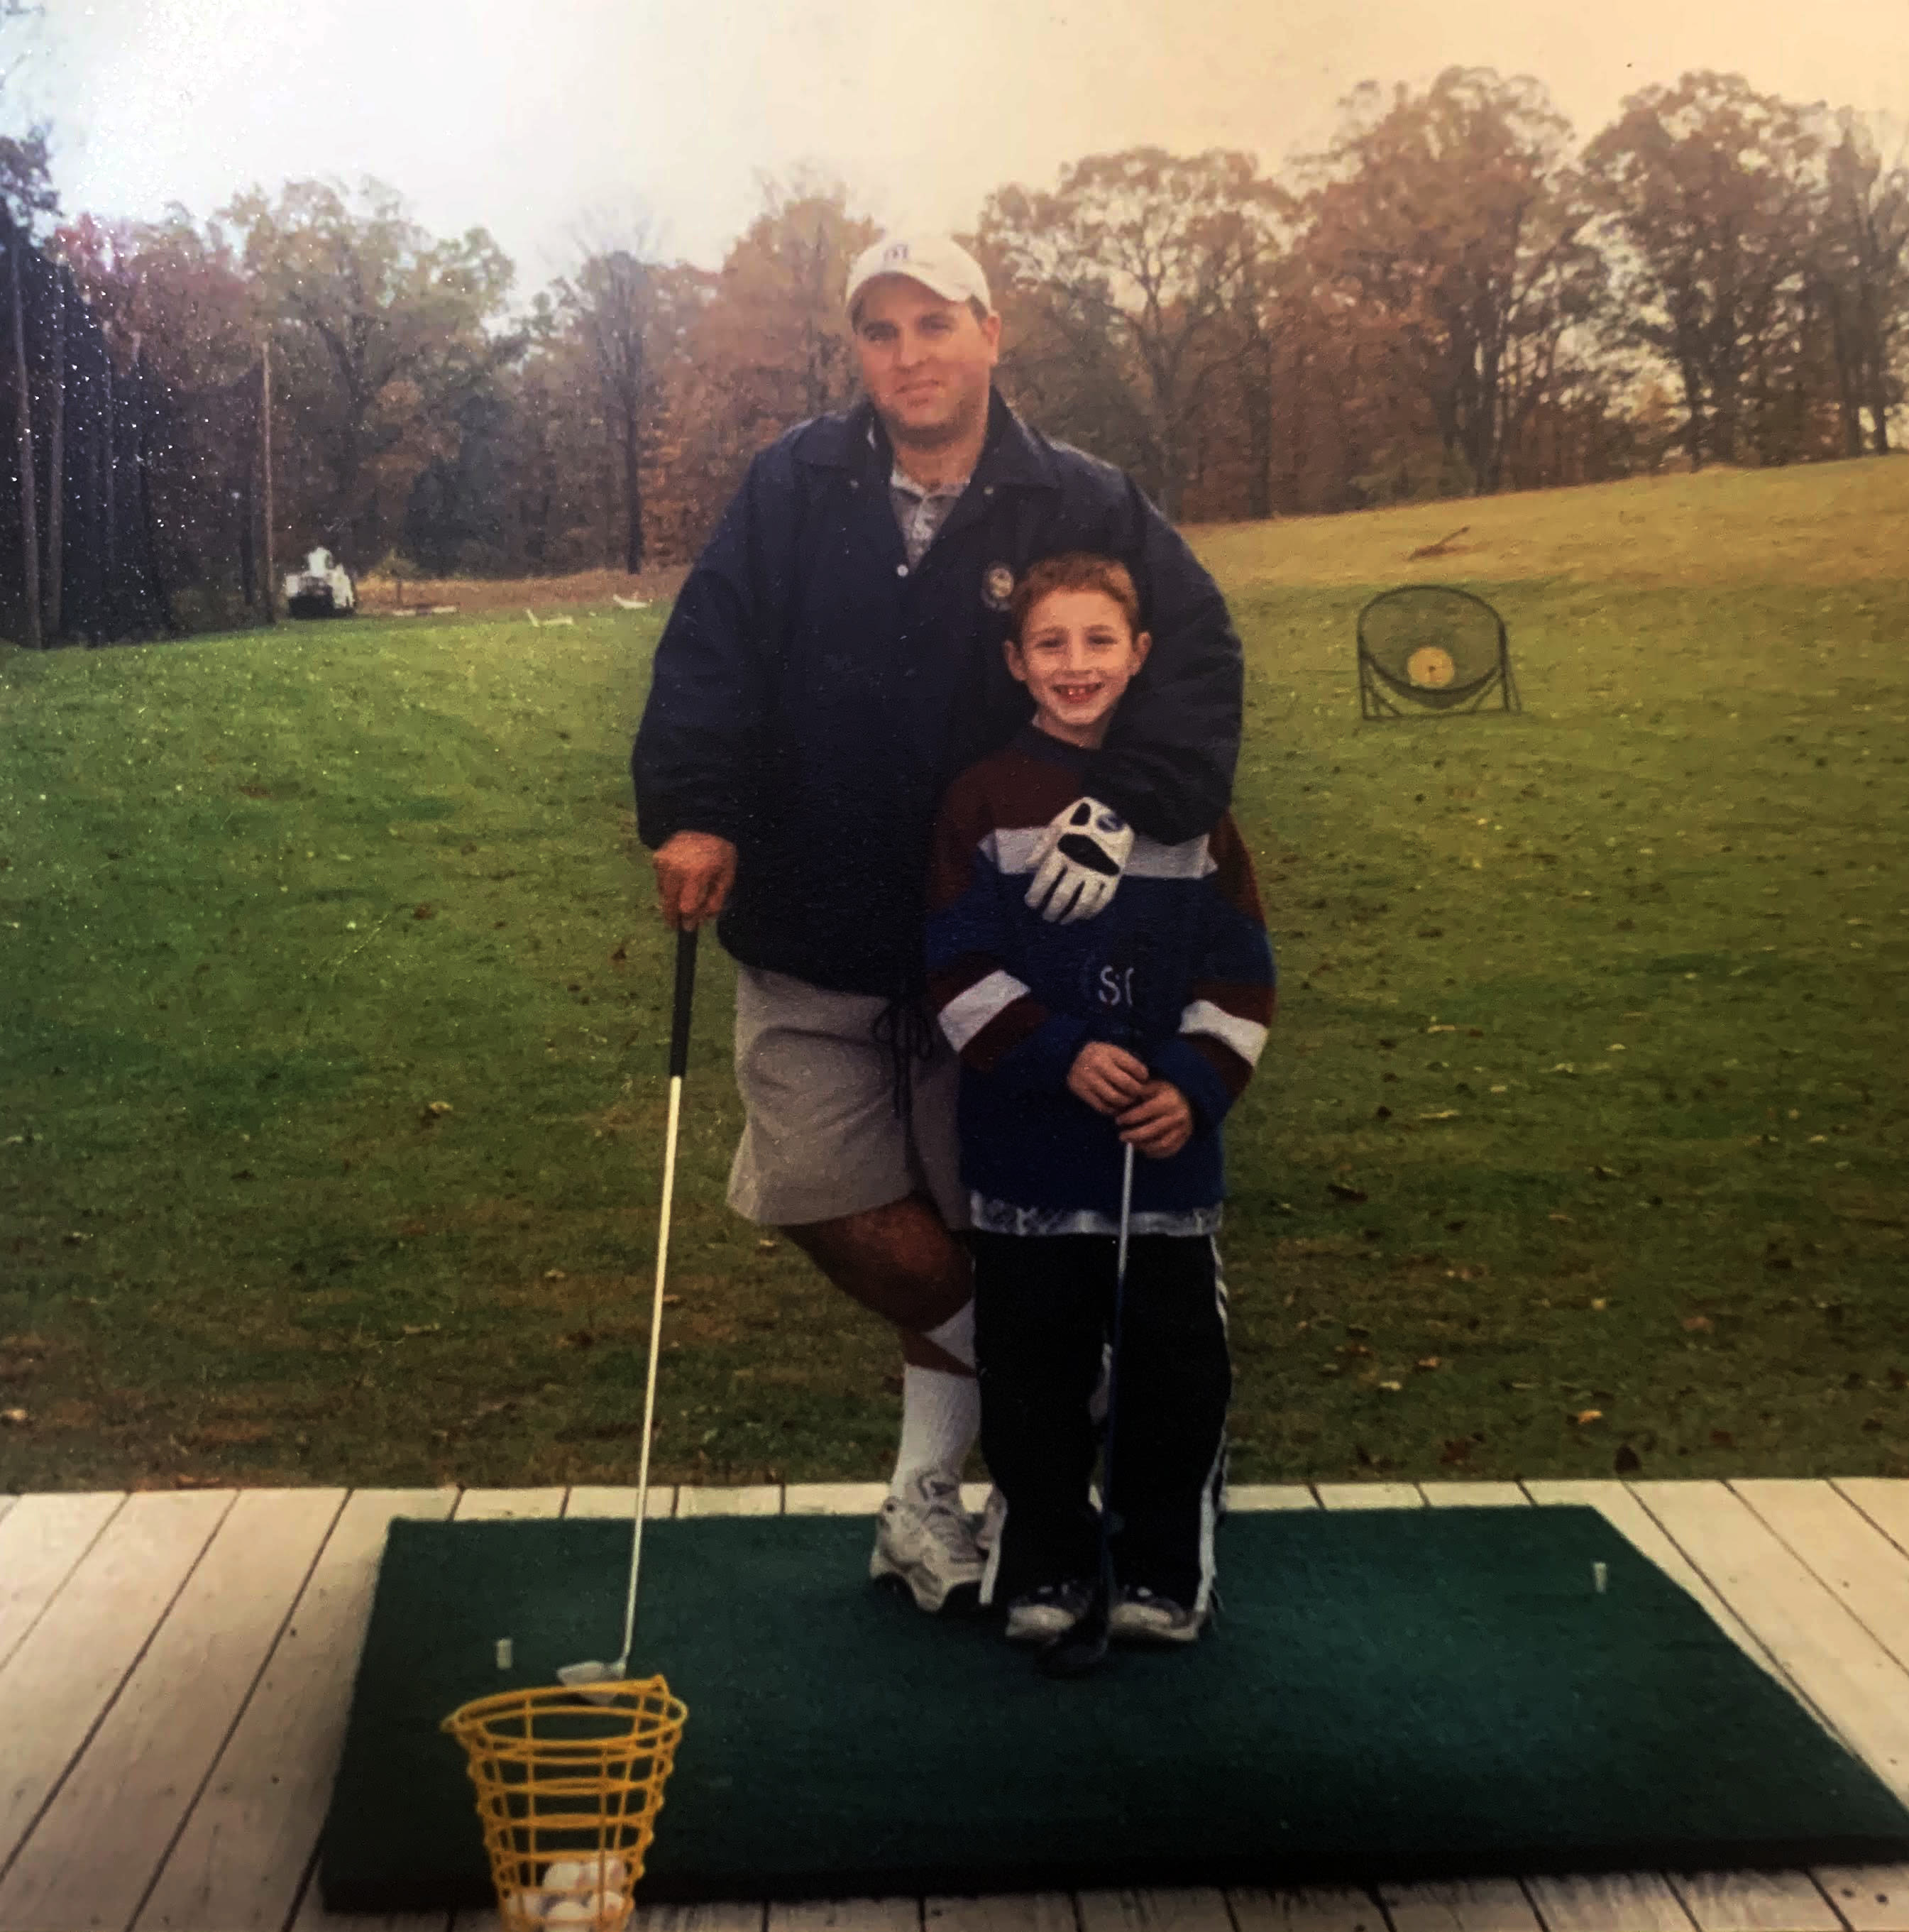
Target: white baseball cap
(937,262)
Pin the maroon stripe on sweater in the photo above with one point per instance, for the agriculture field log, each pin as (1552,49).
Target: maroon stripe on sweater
(1233,1072)
(1006,1029)
(954,979)
(1238,996)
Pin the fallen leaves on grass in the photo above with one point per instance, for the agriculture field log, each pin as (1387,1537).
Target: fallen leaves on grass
(1627,1461)
(1339,1191)
(423,912)
(1585,1418)
(1722,1438)
(1442,1114)
(1698,1324)
(14,1418)
(434,1112)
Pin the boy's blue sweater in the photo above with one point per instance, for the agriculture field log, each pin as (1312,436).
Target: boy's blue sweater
(1177,968)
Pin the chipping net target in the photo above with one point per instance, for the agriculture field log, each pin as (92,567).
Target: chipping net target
(1432,647)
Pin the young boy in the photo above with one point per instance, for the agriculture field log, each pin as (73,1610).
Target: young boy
(1139,1025)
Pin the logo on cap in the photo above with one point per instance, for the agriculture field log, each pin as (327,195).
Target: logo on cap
(896,251)
(997,587)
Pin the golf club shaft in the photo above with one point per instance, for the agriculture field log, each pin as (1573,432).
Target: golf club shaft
(678,1065)
(1114,1361)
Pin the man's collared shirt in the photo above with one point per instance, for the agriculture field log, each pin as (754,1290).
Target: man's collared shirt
(920,512)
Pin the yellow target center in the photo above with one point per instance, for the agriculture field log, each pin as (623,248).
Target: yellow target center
(1431,667)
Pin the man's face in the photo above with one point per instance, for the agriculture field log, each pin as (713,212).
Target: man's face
(925,361)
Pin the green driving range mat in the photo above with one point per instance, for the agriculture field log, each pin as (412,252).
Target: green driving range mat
(1389,1694)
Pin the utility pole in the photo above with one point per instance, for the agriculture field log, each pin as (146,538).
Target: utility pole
(23,398)
(265,445)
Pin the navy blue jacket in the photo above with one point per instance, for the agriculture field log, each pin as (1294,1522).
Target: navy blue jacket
(812,697)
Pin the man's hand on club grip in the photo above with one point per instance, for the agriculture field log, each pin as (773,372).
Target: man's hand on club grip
(694,871)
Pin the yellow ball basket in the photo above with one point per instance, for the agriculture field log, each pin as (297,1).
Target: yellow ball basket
(572,1781)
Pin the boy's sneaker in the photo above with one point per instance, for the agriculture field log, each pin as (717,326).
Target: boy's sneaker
(924,1537)
(1141,1616)
(1050,1612)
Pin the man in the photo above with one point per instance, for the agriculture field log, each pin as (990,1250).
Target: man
(832,661)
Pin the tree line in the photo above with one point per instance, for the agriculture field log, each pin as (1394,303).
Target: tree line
(1454,297)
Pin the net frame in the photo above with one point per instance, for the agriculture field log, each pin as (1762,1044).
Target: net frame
(1384,694)
(561,1776)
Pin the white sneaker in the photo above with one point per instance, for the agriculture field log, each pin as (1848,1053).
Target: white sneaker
(924,1536)
(1050,1612)
(1142,1615)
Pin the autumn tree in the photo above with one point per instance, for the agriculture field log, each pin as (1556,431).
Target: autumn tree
(630,312)
(1452,213)
(766,344)
(381,332)
(1862,263)
(1709,192)
(1133,267)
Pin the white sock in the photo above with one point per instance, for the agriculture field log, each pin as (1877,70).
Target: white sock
(940,1418)
(956,1335)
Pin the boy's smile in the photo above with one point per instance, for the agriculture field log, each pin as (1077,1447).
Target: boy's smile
(1077,656)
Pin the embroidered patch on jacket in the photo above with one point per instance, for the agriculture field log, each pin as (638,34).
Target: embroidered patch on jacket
(997,587)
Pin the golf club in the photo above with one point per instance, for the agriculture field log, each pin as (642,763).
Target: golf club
(1079,1650)
(580,1676)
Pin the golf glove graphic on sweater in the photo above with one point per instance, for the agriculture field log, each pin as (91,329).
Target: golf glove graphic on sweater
(1078,866)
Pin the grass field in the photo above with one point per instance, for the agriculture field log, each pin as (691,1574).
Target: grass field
(334,1035)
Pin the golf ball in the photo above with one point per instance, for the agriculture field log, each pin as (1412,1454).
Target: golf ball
(605,1873)
(600,1911)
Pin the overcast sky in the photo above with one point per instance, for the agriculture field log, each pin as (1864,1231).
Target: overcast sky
(526,116)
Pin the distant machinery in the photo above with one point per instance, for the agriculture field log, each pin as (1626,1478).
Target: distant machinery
(322,588)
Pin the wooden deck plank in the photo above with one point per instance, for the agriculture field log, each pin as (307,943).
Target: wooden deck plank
(1474,1496)
(239,1862)
(312,1917)
(590,1500)
(847,1915)
(1001,1912)
(1176,1908)
(507,1505)
(1754,1902)
(1843,1550)
(1369,1495)
(153,1750)
(41,1541)
(1244,1497)
(1311,1908)
(726,1917)
(747,1499)
(1460,1905)
(1868,1898)
(63,1677)
(834,1498)
(1884,1500)
(1861,1691)
(1608,1902)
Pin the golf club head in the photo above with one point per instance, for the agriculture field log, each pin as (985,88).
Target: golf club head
(1079,1651)
(582,1677)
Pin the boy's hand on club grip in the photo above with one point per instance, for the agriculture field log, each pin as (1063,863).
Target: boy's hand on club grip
(1160,1123)
(694,871)
(1107,1077)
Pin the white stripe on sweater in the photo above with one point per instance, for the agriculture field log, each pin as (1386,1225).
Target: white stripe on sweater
(1247,1038)
(1016,848)
(965,1014)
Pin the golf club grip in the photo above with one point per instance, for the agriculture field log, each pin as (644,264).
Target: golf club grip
(679,1010)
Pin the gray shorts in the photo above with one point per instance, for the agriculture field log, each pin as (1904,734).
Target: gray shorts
(821,1138)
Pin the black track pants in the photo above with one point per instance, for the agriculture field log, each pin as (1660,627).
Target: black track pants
(1043,1307)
